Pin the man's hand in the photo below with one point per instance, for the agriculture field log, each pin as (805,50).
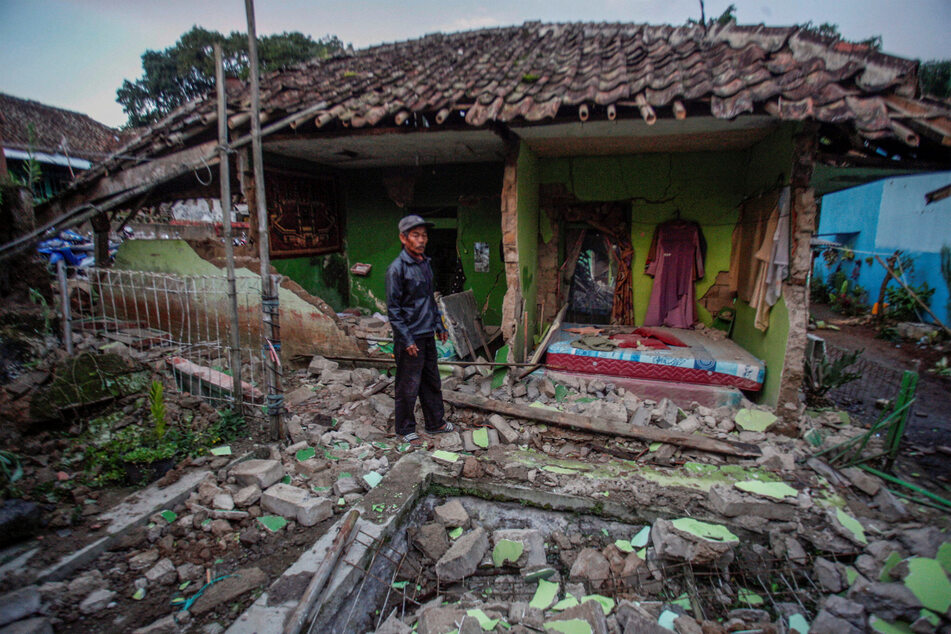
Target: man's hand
(443,336)
(412,350)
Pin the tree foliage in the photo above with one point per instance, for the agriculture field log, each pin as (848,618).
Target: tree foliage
(186,70)
(934,77)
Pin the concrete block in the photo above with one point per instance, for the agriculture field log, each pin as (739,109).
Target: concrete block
(438,620)
(590,566)
(505,431)
(432,541)
(162,572)
(294,502)
(452,514)
(729,502)
(533,554)
(344,486)
(463,557)
(263,473)
(318,364)
(19,604)
(97,600)
(246,496)
(36,625)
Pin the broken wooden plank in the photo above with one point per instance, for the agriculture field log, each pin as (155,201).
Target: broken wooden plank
(540,350)
(209,378)
(576,421)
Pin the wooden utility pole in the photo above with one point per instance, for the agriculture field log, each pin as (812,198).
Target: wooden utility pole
(270,308)
(224,175)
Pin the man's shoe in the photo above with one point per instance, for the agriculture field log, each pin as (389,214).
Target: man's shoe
(413,439)
(445,429)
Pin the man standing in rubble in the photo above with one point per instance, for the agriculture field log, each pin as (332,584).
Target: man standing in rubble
(416,322)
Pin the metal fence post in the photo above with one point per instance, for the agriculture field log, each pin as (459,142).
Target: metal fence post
(64,305)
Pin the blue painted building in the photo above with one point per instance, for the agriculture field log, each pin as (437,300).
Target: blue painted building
(911,213)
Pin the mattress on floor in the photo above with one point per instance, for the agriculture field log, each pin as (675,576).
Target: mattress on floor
(703,360)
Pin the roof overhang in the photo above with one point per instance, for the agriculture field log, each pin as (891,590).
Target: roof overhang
(48,159)
(394,148)
(401,147)
(634,136)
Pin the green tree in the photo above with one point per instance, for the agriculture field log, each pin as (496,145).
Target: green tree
(186,70)
(934,78)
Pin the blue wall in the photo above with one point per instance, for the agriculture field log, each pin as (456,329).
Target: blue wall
(886,215)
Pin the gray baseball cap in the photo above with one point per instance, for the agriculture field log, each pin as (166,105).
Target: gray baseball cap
(409,222)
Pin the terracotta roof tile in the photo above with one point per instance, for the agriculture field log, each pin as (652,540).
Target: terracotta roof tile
(538,71)
(58,131)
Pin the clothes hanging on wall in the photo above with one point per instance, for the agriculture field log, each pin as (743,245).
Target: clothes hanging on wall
(675,261)
(748,236)
(772,261)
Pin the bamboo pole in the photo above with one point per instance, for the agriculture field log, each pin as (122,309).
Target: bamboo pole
(224,172)
(270,310)
(913,295)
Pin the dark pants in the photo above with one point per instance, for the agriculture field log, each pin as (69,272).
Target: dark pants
(418,376)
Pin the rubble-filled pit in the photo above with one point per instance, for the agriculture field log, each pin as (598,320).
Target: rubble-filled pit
(611,559)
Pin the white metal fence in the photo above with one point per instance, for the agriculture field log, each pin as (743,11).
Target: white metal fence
(183,320)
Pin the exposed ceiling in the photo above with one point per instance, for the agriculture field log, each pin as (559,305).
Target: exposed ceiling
(394,149)
(596,138)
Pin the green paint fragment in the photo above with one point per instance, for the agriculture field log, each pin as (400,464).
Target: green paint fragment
(206,522)
(139,594)
(654,446)
(317,489)
(607,603)
(568,602)
(343,445)
(624,545)
(944,556)
(455,533)
(704,530)
(480,437)
(184,585)
(883,626)
(224,450)
(569,626)
(506,550)
(344,474)
(485,622)
(775,490)
(930,616)
(399,585)
(798,623)
(754,419)
(641,538)
(642,553)
(379,508)
(329,456)
(381,445)
(177,601)
(852,525)
(273,523)
(844,418)
(305,454)
(541,405)
(666,619)
(559,470)
(498,375)
(445,456)
(544,595)
(560,392)
(749,597)
(404,447)
(928,581)
(585,399)
(891,561)
(286,479)
(341,502)
(683,601)
(169,516)
(372,479)
(851,574)
(540,573)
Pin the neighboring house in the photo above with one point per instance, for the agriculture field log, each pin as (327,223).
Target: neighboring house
(64,143)
(515,140)
(907,213)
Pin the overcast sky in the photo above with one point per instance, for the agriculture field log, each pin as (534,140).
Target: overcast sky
(75,53)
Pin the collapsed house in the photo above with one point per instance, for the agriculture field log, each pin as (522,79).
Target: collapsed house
(562,165)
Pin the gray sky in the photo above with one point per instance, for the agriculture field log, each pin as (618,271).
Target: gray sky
(75,53)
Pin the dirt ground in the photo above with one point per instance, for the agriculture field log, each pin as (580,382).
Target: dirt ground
(929,427)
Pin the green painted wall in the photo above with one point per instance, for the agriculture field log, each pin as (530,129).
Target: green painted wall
(704,186)
(770,346)
(372,234)
(325,276)
(527,238)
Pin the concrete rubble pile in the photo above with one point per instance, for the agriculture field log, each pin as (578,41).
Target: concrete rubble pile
(867,559)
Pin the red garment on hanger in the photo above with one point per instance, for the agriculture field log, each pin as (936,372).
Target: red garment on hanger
(675,261)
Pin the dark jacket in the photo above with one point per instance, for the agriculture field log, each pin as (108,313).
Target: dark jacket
(410,304)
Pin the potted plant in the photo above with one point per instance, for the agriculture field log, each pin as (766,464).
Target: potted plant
(154,457)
